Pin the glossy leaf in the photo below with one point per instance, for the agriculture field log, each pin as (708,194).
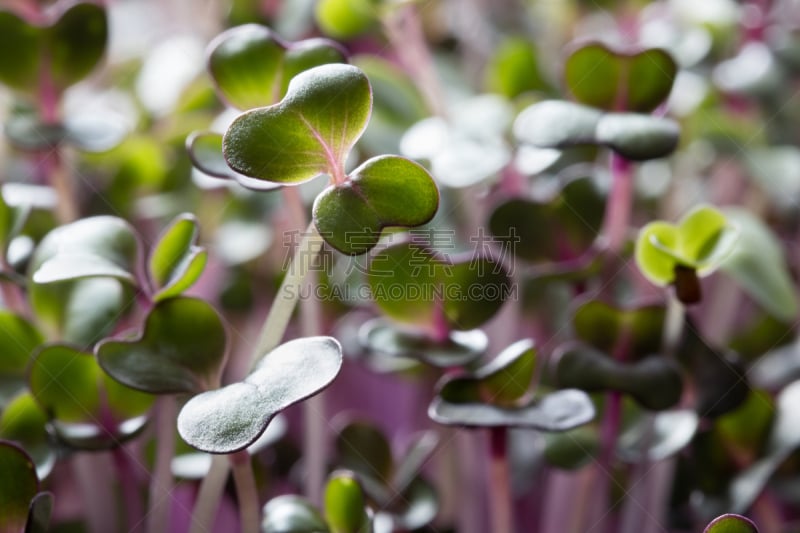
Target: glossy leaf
(81,399)
(700,241)
(292,514)
(731,523)
(654,382)
(507,378)
(558,411)
(231,418)
(382,339)
(384,191)
(176,261)
(559,124)
(345,504)
(666,434)
(603,326)
(324,112)
(18,487)
(182,349)
(758,265)
(101,246)
(612,80)
(252,66)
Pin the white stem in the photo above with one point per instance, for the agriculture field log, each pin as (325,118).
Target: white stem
(209,496)
(158,516)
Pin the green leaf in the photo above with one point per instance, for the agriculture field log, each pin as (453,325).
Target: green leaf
(252,66)
(345,19)
(176,261)
(101,246)
(21,69)
(345,505)
(182,349)
(700,241)
(233,417)
(731,523)
(76,43)
(603,326)
(41,509)
(292,514)
(18,338)
(23,422)
(758,265)
(604,78)
(508,376)
(654,382)
(558,411)
(73,390)
(384,191)
(656,437)
(558,124)
(363,448)
(205,151)
(310,132)
(412,284)
(514,68)
(18,487)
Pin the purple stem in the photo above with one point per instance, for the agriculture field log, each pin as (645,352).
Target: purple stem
(618,209)
(134,511)
(500,500)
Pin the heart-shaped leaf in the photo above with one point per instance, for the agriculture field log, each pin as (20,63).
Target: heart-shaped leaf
(176,261)
(233,417)
(384,191)
(290,513)
(539,231)
(559,124)
(758,265)
(383,340)
(612,80)
(558,411)
(81,399)
(700,241)
(23,422)
(252,66)
(18,487)
(345,504)
(310,132)
(61,52)
(731,523)
(182,349)
(603,326)
(654,382)
(205,151)
(102,246)
(413,284)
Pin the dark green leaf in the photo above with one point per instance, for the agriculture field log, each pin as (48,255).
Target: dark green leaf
(23,421)
(205,151)
(570,450)
(176,261)
(233,417)
(603,326)
(76,43)
(654,382)
(252,66)
(18,487)
(508,376)
(292,514)
(384,191)
(310,132)
(182,349)
(21,69)
(600,77)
